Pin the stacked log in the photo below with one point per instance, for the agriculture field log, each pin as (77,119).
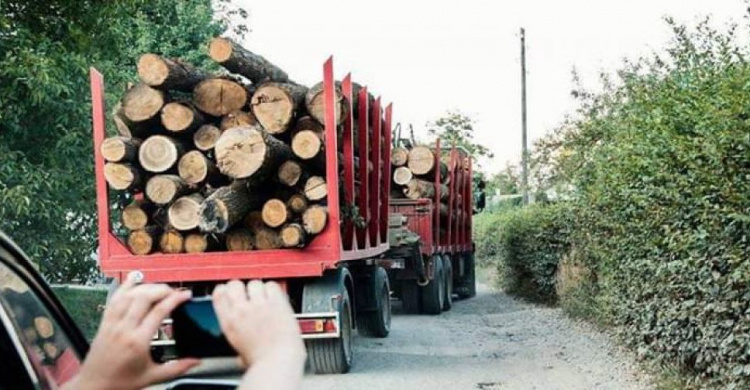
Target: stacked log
(413,176)
(218,163)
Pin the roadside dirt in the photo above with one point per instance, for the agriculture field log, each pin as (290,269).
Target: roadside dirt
(489,342)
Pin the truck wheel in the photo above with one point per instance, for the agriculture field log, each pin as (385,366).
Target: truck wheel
(334,356)
(410,297)
(448,276)
(469,281)
(377,322)
(433,292)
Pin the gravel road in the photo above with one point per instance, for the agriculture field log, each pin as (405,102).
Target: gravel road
(488,342)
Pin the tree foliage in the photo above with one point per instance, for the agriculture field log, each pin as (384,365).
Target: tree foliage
(47,198)
(456,128)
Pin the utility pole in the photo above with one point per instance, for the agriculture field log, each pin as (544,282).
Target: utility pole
(524,150)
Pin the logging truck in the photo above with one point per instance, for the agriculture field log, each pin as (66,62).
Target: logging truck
(342,245)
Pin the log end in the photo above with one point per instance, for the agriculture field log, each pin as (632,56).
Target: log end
(158,153)
(218,97)
(274,108)
(162,189)
(421,160)
(220,49)
(183,213)
(292,236)
(306,144)
(134,217)
(274,213)
(121,176)
(236,119)
(240,152)
(206,136)
(239,240)
(214,217)
(177,117)
(142,102)
(171,241)
(152,69)
(316,188)
(141,242)
(193,167)
(196,243)
(289,173)
(314,219)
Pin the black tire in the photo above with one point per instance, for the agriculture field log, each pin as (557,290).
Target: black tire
(448,284)
(410,303)
(433,292)
(377,322)
(334,356)
(469,281)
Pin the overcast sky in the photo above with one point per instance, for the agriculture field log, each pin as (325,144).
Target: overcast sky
(428,57)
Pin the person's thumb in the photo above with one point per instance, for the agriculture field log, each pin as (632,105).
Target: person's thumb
(171,369)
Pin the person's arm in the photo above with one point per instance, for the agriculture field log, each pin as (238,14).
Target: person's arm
(120,357)
(259,323)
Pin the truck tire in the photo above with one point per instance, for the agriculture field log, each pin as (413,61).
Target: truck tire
(469,281)
(448,285)
(334,356)
(433,292)
(376,322)
(410,303)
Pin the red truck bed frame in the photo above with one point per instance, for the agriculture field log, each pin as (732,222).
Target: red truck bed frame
(327,251)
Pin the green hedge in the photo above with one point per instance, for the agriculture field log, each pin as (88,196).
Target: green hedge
(659,166)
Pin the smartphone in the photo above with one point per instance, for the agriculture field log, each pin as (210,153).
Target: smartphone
(196,330)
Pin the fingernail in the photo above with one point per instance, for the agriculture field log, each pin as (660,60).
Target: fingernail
(186,293)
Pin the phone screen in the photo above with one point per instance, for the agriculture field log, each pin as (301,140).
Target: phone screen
(197,332)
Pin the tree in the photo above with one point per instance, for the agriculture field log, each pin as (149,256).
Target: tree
(457,128)
(47,197)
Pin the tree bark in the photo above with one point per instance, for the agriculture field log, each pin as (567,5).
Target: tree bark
(122,176)
(244,152)
(227,206)
(141,242)
(402,176)
(196,169)
(142,103)
(314,219)
(276,104)
(238,118)
(164,73)
(171,241)
(399,157)
(219,96)
(237,59)
(292,236)
(266,238)
(275,213)
(316,188)
(120,149)
(206,136)
(239,240)
(181,117)
(137,215)
(315,103)
(159,153)
(183,213)
(163,189)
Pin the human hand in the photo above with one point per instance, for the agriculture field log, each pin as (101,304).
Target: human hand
(119,357)
(259,323)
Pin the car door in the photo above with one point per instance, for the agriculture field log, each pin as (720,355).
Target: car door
(41,346)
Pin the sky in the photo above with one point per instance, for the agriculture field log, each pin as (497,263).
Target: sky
(428,57)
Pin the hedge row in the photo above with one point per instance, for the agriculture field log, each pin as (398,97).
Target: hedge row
(659,224)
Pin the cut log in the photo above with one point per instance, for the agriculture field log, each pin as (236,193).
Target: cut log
(181,117)
(417,189)
(219,96)
(196,243)
(290,173)
(314,219)
(141,242)
(421,160)
(163,189)
(253,220)
(195,168)
(315,103)
(275,213)
(122,176)
(402,176)
(127,128)
(236,119)
(164,73)
(206,136)
(399,157)
(308,138)
(292,236)
(120,149)
(266,238)
(316,188)
(242,152)
(237,59)
(137,215)
(275,105)
(239,240)
(183,213)
(226,206)
(171,241)
(142,103)
(297,203)
(159,153)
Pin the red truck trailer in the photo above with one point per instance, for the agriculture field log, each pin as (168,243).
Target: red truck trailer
(340,281)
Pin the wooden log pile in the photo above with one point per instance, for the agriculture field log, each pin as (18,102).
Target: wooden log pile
(219,162)
(413,175)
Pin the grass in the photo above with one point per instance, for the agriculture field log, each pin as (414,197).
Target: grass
(85,306)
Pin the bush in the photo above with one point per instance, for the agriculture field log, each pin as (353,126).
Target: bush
(659,166)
